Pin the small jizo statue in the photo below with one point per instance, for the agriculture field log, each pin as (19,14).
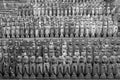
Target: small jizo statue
(96,67)
(74,66)
(89,67)
(46,67)
(53,67)
(60,67)
(82,62)
(62,29)
(77,30)
(25,67)
(32,67)
(19,67)
(12,67)
(6,67)
(67,70)
(39,67)
(112,67)
(104,67)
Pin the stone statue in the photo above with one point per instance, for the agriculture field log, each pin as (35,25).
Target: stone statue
(66,30)
(105,29)
(99,28)
(82,61)
(89,67)
(52,31)
(77,30)
(93,28)
(112,67)
(6,66)
(39,68)
(46,66)
(104,67)
(26,71)
(67,68)
(47,31)
(32,67)
(12,67)
(53,67)
(62,29)
(60,69)
(19,71)
(115,29)
(74,67)
(96,67)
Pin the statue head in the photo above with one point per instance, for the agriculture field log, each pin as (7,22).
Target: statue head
(104,59)
(89,59)
(77,53)
(75,59)
(39,59)
(112,59)
(32,59)
(25,59)
(19,58)
(82,59)
(97,59)
(53,60)
(68,59)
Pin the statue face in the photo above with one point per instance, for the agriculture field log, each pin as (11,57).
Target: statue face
(25,59)
(112,59)
(82,59)
(19,58)
(32,59)
(89,59)
(75,59)
(39,59)
(54,60)
(104,59)
(77,53)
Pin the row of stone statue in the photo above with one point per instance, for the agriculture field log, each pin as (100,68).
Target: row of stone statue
(63,67)
(65,9)
(8,32)
(59,47)
(23,59)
